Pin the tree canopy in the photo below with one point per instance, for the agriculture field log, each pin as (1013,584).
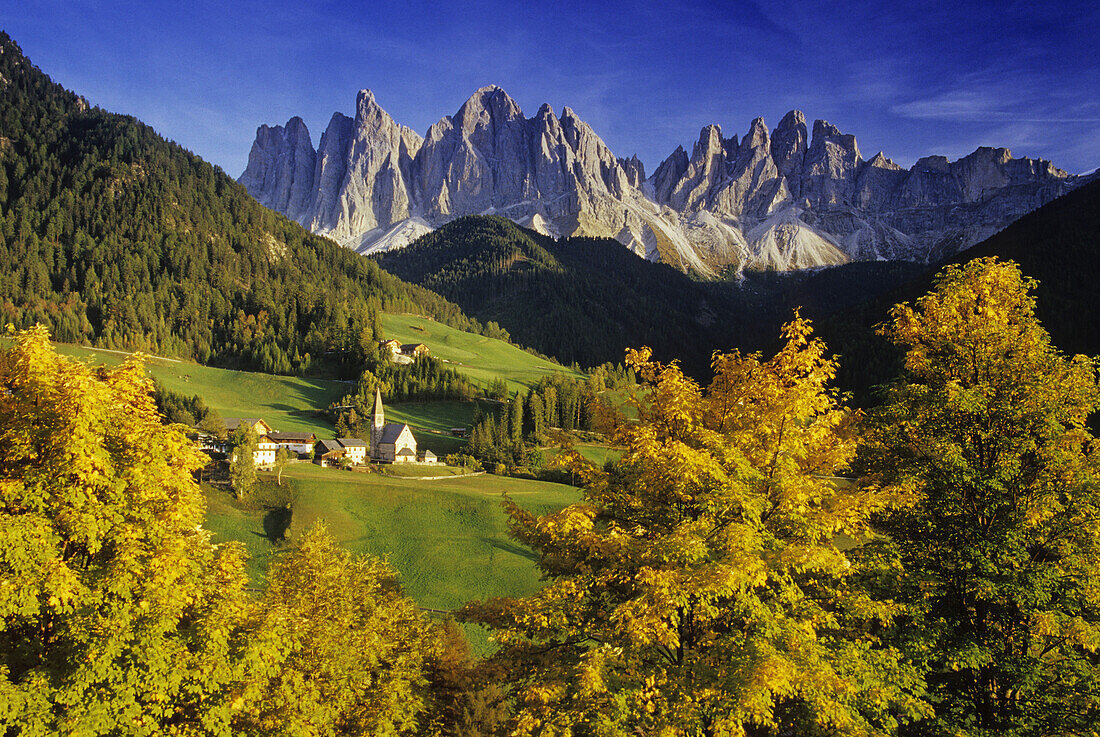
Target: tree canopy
(118,613)
(120,616)
(698,588)
(985,432)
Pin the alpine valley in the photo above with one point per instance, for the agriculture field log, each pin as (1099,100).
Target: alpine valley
(792,198)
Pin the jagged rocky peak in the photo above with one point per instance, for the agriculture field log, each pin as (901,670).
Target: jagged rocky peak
(785,198)
(789,145)
(669,174)
(280,167)
(830,167)
(879,161)
(635,170)
(757,137)
(710,144)
(490,103)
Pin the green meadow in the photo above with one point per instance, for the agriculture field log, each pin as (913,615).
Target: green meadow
(482,359)
(287,403)
(447,538)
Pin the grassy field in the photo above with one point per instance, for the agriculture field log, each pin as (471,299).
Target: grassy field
(482,359)
(447,538)
(296,404)
(287,403)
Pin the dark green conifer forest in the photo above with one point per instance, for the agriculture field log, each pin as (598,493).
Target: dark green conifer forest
(112,236)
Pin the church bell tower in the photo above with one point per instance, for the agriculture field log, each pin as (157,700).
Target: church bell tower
(378,421)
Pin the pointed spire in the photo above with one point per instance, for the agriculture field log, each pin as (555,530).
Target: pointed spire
(378,413)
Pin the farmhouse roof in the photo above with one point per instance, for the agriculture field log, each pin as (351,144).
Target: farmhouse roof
(292,437)
(329,446)
(351,442)
(391,432)
(232,423)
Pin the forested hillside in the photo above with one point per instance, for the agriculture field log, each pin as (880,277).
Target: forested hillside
(1058,244)
(587,299)
(111,235)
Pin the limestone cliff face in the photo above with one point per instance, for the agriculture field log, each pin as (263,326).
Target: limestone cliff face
(778,199)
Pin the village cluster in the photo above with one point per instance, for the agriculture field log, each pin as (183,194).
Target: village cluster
(389,442)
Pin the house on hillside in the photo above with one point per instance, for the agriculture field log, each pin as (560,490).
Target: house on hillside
(414,350)
(296,442)
(392,347)
(390,442)
(355,450)
(261,427)
(327,453)
(264,455)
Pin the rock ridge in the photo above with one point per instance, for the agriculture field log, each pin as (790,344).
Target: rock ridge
(795,197)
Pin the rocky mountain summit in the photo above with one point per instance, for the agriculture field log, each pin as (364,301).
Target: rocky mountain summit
(782,199)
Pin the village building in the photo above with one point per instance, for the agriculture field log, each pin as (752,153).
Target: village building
(428,457)
(261,428)
(296,442)
(402,353)
(264,455)
(355,450)
(390,443)
(327,453)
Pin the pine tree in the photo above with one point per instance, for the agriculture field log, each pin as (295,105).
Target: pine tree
(515,420)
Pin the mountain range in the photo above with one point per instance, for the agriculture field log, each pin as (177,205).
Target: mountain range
(792,198)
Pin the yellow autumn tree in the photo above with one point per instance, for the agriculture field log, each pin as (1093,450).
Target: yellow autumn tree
(345,651)
(986,430)
(698,587)
(117,614)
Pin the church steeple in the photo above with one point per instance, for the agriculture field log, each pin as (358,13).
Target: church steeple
(378,422)
(378,413)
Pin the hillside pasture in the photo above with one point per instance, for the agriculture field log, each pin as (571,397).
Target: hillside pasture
(482,359)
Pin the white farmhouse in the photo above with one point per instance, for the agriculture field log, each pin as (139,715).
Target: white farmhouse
(355,450)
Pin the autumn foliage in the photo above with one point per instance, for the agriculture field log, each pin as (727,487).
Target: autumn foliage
(761,561)
(698,588)
(119,616)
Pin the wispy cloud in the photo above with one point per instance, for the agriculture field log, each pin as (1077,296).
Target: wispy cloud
(971,106)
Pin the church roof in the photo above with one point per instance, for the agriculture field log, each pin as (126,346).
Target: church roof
(391,432)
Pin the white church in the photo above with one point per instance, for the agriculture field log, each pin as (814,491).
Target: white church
(393,442)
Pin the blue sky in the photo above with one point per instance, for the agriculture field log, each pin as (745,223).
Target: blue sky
(908,78)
